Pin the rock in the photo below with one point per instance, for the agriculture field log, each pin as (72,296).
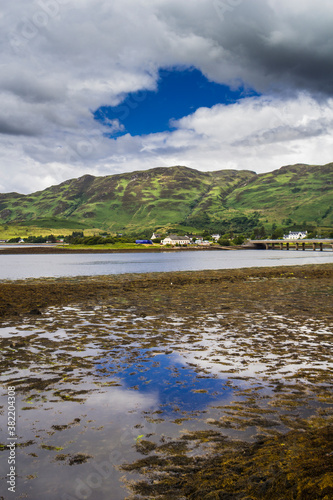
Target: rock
(35,311)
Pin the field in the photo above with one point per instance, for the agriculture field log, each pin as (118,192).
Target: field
(9,231)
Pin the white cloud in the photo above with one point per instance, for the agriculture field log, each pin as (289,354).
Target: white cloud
(123,400)
(62,60)
(259,134)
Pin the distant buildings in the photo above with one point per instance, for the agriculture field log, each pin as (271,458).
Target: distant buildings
(156,236)
(174,239)
(204,243)
(199,240)
(295,235)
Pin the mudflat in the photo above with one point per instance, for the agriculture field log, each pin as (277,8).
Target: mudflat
(250,415)
(300,290)
(58,250)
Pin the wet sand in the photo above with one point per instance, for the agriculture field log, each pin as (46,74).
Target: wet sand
(267,332)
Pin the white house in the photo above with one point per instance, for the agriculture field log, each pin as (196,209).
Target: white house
(174,239)
(216,237)
(204,243)
(155,236)
(295,235)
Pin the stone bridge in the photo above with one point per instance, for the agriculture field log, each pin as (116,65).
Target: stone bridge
(319,243)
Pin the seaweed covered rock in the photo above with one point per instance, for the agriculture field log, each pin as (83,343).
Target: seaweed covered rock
(297,465)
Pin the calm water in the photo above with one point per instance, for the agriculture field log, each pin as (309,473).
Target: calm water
(36,266)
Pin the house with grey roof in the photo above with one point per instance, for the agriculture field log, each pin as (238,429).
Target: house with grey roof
(174,239)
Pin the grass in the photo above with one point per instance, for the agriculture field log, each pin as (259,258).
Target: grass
(14,231)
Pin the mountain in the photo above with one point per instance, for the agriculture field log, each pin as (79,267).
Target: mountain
(172,196)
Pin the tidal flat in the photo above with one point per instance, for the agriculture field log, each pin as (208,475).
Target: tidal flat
(185,385)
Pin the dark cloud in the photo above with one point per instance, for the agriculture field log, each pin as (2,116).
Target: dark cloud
(62,60)
(32,88)
(18,129)
(270,45)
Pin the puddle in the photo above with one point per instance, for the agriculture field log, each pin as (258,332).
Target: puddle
(177,387)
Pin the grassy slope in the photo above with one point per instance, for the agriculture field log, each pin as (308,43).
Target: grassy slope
(162,197)
(157,197)
(301,192)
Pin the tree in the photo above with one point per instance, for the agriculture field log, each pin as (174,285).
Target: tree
(260,233)
(278,233)
(223,242)
(239,240)
(206,235)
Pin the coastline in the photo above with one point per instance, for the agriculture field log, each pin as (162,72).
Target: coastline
(24,296)
(64,250)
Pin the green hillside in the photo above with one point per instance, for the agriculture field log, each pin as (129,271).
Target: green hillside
(299,192)
(177,197)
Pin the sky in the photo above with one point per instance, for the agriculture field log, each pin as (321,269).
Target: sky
(105,87)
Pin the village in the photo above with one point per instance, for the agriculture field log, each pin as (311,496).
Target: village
(174,239)
(167,240)
(206,240)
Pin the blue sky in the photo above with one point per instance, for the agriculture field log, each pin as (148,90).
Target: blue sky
(101,88)
(180,93)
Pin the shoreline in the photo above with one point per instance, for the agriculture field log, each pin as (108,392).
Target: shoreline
(64,250)
(32,295)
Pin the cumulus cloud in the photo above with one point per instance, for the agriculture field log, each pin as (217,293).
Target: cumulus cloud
(62,60)
(260,133)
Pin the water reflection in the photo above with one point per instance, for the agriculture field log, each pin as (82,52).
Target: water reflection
(174,384)
(91,384)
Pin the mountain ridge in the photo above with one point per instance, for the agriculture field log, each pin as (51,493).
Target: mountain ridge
(178,196)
